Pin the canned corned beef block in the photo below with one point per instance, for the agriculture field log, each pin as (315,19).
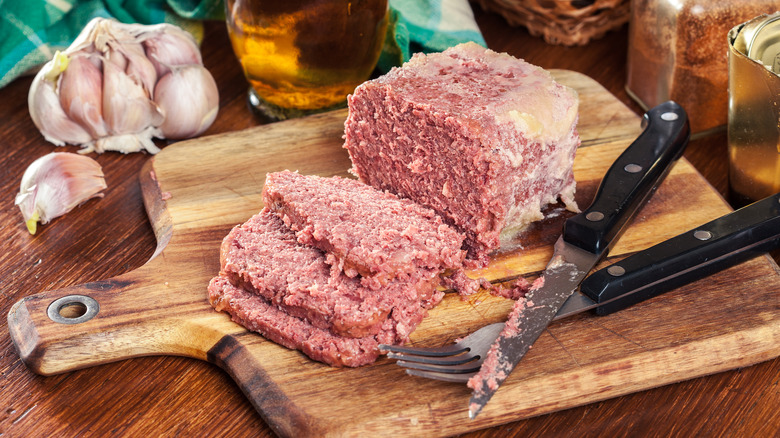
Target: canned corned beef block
(485,139)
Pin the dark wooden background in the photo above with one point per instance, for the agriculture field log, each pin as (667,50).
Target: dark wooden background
(169,396)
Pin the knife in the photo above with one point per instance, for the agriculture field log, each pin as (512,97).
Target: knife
(702,251)
(586,239)
(697,253)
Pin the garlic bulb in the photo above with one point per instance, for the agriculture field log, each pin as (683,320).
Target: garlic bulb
(55,184)
(102,91)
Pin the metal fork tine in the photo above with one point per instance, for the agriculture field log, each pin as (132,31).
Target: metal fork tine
(436,360)
(452,363)
(456,378)
(448,350)
(469,367)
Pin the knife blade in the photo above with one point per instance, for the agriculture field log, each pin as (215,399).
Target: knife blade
(687,257)
(586,239)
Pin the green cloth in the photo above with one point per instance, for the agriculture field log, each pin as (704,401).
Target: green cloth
(31,31)
(426,26)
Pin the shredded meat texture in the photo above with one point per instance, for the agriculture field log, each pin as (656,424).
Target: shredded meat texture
(517,289)
(263,256)
(258,314)
(265,268)
(496,366)
(365,231)
(484,139)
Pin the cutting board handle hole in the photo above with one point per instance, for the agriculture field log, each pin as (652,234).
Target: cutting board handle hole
(73,309)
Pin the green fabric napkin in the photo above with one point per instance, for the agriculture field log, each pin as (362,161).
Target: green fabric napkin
(426,26)
(31,31)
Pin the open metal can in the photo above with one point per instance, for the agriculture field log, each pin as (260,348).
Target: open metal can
(754,109)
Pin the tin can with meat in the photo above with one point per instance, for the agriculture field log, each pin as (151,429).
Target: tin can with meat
(754,109)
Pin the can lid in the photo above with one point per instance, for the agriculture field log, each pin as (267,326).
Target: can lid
(763,45)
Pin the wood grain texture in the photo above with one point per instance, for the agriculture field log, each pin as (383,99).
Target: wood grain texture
(178,396)
(195,191)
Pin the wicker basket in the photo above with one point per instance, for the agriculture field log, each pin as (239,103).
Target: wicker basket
(565,22)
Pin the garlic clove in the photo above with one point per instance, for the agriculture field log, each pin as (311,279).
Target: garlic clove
(119,45)
(45,109)
(81,94)
(189,98)
(55,184)
(168,46)
(137,65)
(127,108)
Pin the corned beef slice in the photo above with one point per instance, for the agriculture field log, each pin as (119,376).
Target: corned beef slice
(485,139)
(262,256)
(368,231)
(257,314)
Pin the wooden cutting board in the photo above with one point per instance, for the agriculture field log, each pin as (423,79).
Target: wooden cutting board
(195,191)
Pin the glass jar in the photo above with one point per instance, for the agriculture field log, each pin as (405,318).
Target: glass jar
(678,50)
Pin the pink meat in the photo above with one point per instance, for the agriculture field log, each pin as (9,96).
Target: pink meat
(263,256)
(257,314)
(367,231)
(484,139)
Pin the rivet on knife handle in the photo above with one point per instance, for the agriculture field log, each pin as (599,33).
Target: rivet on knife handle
(695,254)
(631,179)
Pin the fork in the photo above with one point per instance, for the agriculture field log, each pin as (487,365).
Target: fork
(457,362)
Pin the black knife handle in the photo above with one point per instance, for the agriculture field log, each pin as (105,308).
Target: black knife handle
(631,180)
(695,254)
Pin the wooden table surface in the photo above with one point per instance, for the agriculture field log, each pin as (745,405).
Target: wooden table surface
(166,396)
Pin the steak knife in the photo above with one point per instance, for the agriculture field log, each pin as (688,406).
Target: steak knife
(586,239)
(697,253)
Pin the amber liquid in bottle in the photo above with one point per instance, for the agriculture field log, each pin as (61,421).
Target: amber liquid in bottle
(302,56)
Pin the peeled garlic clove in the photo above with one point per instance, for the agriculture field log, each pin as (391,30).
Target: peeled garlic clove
(189,98)
(167,46)
(45,109)
(81,94)
(55,184)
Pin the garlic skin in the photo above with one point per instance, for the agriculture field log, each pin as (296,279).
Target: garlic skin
(81,95)
(187,112)
(55,184)
(126,103)
(170,46)
(100,93)
(50,118)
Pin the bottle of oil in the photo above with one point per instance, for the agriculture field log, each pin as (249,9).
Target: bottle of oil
(305,56)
